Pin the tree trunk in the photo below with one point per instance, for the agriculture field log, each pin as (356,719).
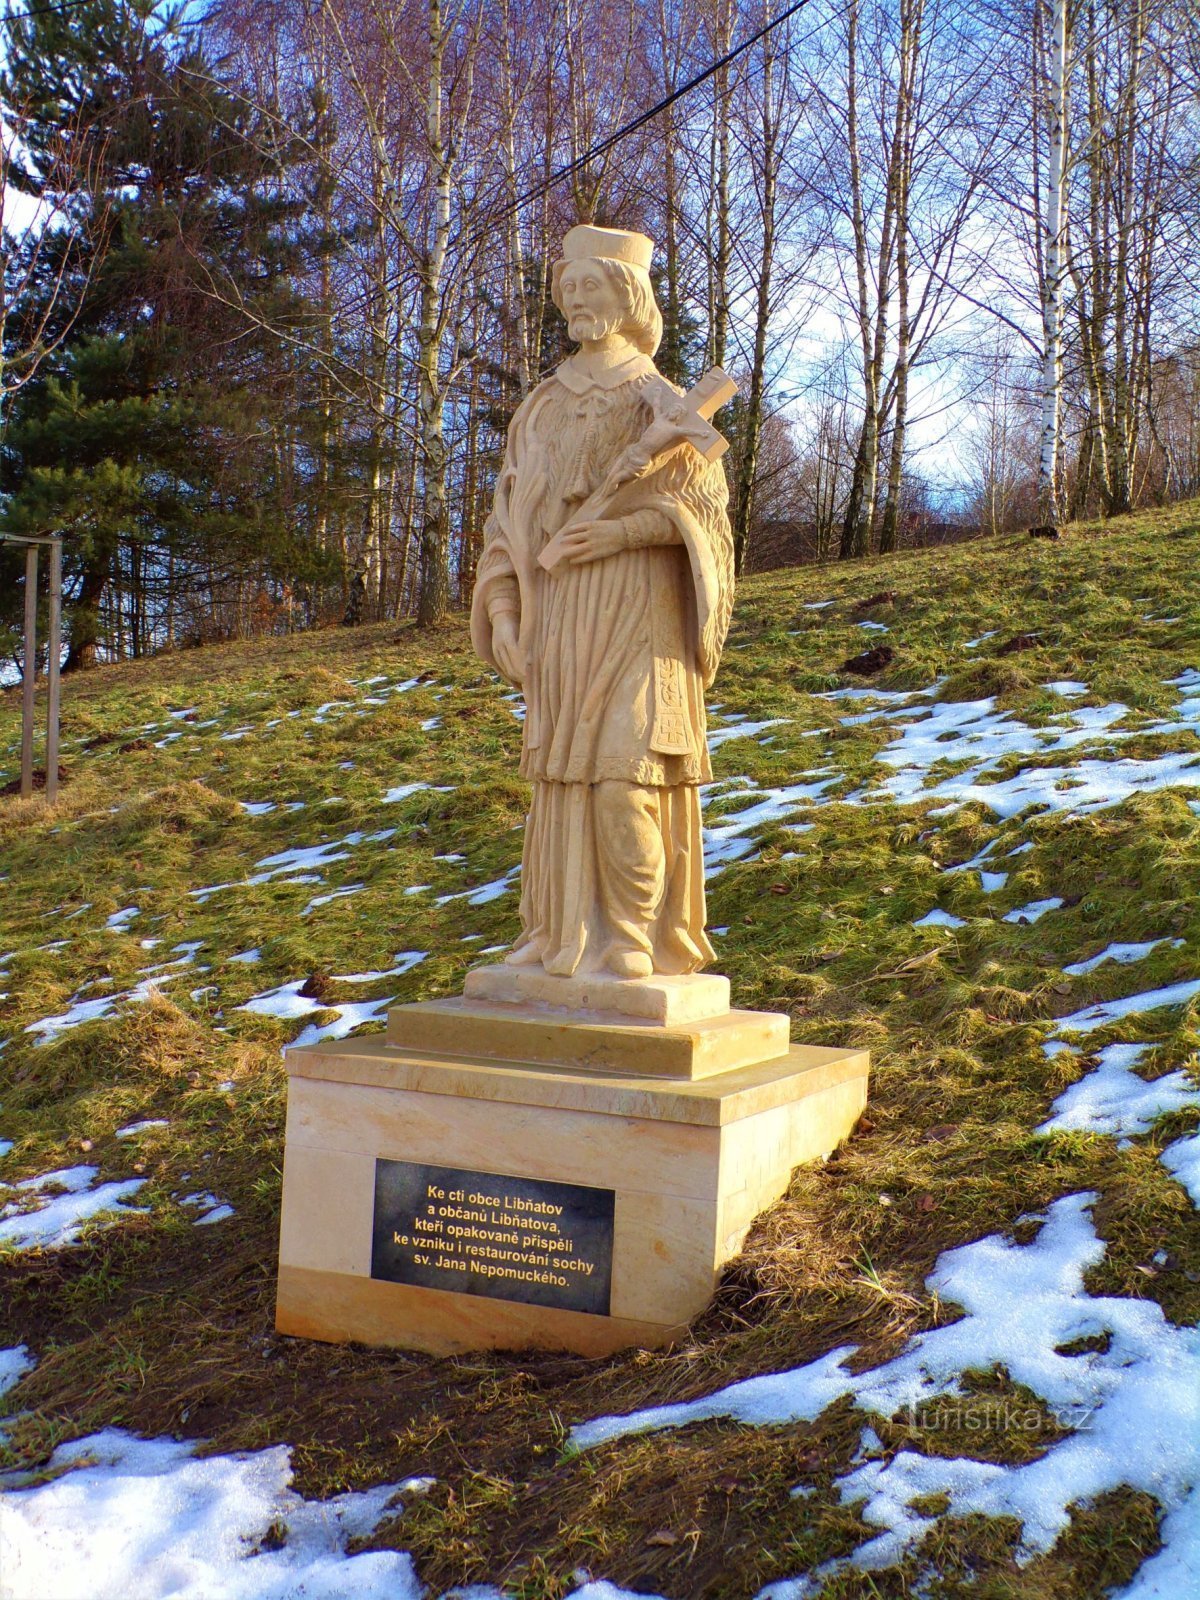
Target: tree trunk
(84,649)
(1054,250)
(434,599)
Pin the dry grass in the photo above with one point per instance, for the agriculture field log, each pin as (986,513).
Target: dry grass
(160,1327)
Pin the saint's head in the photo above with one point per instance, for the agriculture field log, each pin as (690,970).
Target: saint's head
(602,287)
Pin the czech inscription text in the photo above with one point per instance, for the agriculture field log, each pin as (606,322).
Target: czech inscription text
(547,1244)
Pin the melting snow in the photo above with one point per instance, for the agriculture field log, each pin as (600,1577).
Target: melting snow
(67,1201)
(287,1002)
(1034,910)
(14,1364)
(1106,1011)
(742,729)
(730,837)
(939,919)
(1134,1407)
(333,894)
(146,1517)
(482,896)
(1113,1099)
(1121,953)
(1182,1161)
(402,791)
(403,961)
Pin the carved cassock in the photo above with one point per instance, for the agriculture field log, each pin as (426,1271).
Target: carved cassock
(617,653)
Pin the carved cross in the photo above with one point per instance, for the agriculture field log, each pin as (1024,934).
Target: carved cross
(683,419)
(702,401)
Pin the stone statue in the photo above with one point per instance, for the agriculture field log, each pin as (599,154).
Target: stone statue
(604,592)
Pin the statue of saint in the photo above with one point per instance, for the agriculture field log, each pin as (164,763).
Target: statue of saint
(608,609)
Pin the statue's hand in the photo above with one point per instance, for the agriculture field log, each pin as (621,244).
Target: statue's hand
(506,649)
(591,541)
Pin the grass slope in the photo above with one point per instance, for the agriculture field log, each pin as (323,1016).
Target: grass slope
(160,1326)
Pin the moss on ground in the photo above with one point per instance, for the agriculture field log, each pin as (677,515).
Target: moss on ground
(163,1327)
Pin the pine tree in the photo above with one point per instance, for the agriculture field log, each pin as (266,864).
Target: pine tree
(163,438)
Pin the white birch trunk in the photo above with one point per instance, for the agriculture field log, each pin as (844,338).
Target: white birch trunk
(1054,249)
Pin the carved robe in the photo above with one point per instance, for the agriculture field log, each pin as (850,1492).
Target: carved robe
(618,652)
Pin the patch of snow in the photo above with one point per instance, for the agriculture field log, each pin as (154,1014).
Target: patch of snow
(991,881)
(132,1129)
(1113,1099)
(403,790)
(287,1003)
(1133,1408)
(349,1018)
(77,1013)
(973,644)
(333,894)
(218,1214)
(973,863)
(1034,909)
(68,1200)
(741,729)
(257,808)
(147,1517)
(876,627)
(1121,953)
(120,920)
(246,957)
(403,961)
(1067,687)
(485,893)
(939,919)
(1182,1161)
(1106,1011)
(14,1364)
(731,837)
(974,732)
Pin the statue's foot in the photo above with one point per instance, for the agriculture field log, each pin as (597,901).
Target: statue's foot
(630,964)
(563,965)
(525,955)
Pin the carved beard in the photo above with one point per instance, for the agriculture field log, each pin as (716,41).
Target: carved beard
(591,325)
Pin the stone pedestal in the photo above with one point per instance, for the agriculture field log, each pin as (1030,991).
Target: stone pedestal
(494,1174)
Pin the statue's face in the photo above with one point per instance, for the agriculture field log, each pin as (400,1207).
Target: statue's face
(592,303)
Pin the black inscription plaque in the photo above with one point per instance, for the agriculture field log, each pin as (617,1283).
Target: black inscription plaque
(548,1244)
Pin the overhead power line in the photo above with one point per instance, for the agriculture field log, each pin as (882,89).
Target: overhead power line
(613,139)
(45,11)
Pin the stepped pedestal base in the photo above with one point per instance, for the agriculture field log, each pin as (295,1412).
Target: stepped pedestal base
(495,1175)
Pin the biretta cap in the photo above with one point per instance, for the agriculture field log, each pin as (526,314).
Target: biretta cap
(612,244)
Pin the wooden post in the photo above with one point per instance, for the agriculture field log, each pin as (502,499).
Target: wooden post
(30,670)
(52,680)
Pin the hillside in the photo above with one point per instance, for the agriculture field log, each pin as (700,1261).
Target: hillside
(983,863)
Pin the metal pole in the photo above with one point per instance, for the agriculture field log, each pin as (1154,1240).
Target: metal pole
(55,651)
(29,678)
